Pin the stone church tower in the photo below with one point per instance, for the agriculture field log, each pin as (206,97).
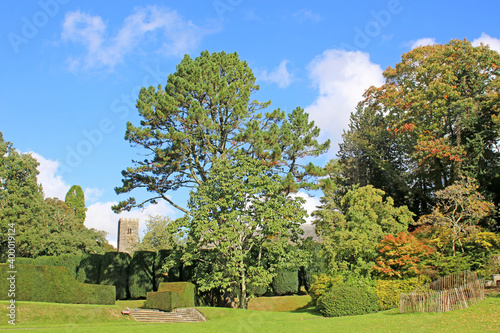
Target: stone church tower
(128,234)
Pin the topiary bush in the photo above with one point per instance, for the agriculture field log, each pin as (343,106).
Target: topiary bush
(70,261)
(89,268)
(114,271)
(286,282)
(347,299)
(53,284)
(171,295)
(141,274)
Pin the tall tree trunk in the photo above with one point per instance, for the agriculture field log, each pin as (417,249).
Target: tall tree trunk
(243,287)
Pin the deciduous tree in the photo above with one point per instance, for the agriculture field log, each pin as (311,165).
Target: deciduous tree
(352,230)
(401,256)
(205,113)
(440,109)
(245,225)
(158,235)
(39,227)
(458,213)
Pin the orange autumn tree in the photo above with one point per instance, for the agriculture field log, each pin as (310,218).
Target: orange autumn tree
(433,120)
(401,256)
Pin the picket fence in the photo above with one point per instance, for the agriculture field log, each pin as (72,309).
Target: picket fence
(452,292)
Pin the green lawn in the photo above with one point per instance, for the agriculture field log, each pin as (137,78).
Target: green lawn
(52,317)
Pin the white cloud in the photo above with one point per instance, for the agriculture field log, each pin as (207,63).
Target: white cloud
(341,78)
(422,42)
(179,36)
(310,205)
(278,75)
(101,217)
(306,15)
(494,43)
(53,184)
(92,194)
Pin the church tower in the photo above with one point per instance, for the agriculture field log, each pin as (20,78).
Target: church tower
(128,234)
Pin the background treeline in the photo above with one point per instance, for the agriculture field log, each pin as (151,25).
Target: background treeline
(42,227)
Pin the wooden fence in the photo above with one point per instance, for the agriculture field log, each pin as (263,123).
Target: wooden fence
(452,292)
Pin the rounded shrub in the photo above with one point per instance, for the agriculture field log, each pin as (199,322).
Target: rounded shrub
(347,299)
(322,284)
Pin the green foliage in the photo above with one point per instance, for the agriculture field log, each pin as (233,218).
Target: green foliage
(141,274)
(370,155)
(447,265)
(21,201)
(347,299)
(171,295)
(53,284)
(205,113)
(42,227)
(174,273)
(242,216)
(314,266)
(388,291)
(257,290)
(355,225)
(157,235)
(114,271)
(70,261)
(89,268)
(491,266)
(75,200)
(286,282)
(322,284)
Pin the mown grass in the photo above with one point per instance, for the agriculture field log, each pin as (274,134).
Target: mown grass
(279,303)
(52,317)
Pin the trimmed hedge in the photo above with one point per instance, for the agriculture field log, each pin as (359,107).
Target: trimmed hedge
(114,271)
(286,282)
(53,284)
(89,268)
(388,291)
(347,299)
(141,277)
(171,295)
(70,261)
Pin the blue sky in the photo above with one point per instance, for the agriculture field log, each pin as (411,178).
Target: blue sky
(70,70)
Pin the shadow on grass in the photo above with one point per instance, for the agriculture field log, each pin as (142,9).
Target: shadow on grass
(309,309)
